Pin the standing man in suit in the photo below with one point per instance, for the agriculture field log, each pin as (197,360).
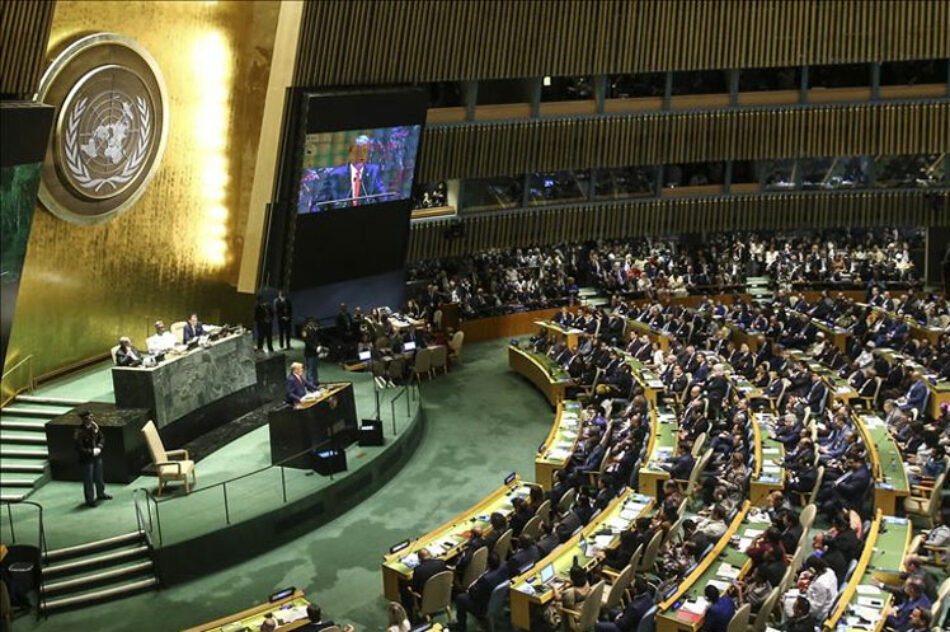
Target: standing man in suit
(264,323)
(917,393)
(311,349)
(193,329)
(356,182)
(284,312)
(297,385)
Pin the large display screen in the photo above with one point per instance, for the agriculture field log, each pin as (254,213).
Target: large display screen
(353,168)
(349,183)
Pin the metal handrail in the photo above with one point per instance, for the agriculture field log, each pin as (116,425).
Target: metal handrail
(31,382)
(41,528)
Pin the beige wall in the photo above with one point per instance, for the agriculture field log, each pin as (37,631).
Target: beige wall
(179,248)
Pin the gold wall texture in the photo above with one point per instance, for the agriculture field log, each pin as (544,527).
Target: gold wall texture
(178,249)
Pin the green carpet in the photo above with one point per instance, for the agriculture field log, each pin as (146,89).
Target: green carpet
(482,422)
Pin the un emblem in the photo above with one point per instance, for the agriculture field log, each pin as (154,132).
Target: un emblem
(110,130)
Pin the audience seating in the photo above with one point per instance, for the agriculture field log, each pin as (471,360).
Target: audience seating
(583,620)
(436,596)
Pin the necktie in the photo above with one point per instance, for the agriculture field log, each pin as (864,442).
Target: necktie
(357,181)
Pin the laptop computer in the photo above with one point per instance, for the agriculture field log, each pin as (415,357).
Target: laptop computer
(409,346)
(547,573)
(365,355)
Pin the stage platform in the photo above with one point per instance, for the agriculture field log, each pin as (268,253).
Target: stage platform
(240,500)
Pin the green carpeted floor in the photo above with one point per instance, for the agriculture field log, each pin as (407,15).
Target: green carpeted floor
(482,422)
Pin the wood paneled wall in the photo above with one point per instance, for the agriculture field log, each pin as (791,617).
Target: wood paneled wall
(664,217)
(24,31)
(480,150)
(350,42)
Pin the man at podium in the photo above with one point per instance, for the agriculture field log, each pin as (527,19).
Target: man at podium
(297,385)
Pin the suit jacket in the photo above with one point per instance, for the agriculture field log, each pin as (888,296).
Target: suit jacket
(916,396)
(480,591)
(521,559)
(316,626)
(681,466)
(283,308)
(630,618)
(297,388)
(192,332)
(425,570)
(338,185)
(128,357)
(815,396)
(851,488)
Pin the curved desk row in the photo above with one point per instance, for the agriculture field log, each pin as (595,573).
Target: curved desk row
(862,604)
(602,532)
(675,612)
(446,541)
(555,453)
(541,371)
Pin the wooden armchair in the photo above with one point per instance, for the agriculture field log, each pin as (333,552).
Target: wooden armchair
(584,619)
(171,465)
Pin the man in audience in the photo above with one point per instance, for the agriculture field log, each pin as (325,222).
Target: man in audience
(801,619)
(317,622)
(720,611)
(629,618)
(428,567)
(898,617)
(474,599)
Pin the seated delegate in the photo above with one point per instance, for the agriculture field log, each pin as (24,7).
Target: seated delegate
(297,385)
(161,341)
(193,329)
(126,354)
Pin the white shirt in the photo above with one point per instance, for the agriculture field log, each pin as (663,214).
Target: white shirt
(355,173)
(158,343)
(821,593)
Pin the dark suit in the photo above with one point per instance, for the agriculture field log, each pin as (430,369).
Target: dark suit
(916,396)
(816,396)
(284,312)
(192,332)
(297,387)
(338,185)
(475,600)
(629,619)
(681,466)
(316,626)
(521,559)
(426,569)
(129,356)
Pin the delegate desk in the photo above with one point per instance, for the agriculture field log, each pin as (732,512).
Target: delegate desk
(541,371)
(330,413)
(290,612)
(917,330)
(566,336)
(447,541)
(838,387)
(661,447)
(187,381)
(555,453)
(887,465)
(767,476)
(862,604)
(838,336)
(645,376)
(602,533)
(689,615)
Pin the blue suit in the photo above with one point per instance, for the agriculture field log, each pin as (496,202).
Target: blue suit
(719,615)
(916,396)
(192,332)
(297,387)
(338,185)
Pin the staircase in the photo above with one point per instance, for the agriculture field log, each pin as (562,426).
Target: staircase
(24,460)
(759,288)
(97,571)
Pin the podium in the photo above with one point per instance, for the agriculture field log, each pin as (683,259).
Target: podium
(327,422)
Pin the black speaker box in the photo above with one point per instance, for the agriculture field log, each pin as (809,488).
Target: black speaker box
(327,462)
(371,432)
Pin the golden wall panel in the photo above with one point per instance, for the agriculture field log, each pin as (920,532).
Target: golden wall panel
(670,216)
(178,248)
(488,39)
(492,149)
(24,29)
